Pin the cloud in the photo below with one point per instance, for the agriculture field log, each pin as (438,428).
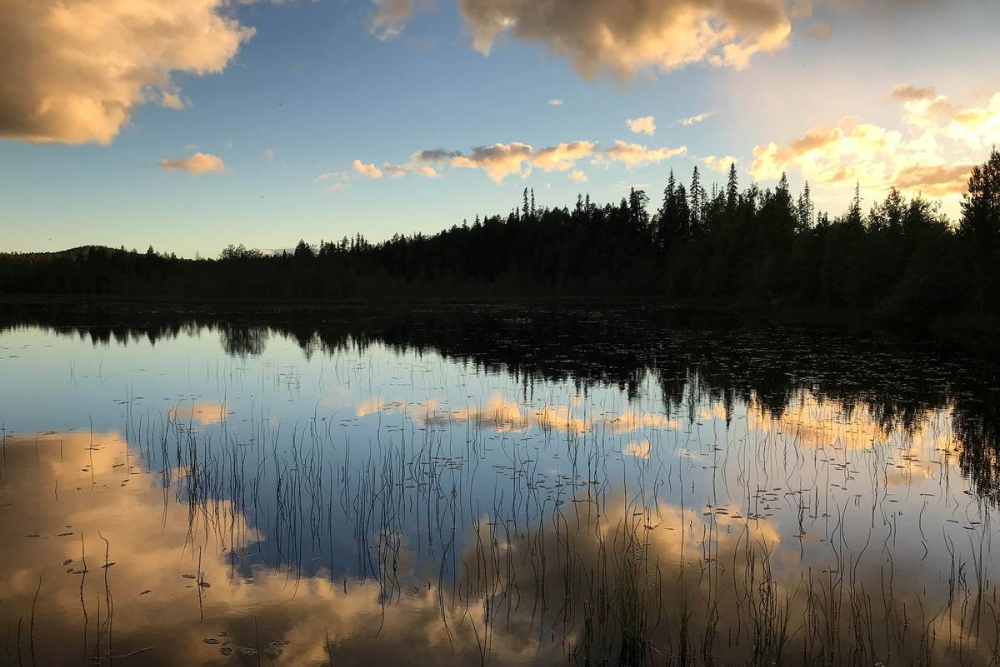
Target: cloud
(337,187)
(73,72)
(332,175)
(199,163)
(691,120)
(171,101)
(624,37)
(269,154)
(563,157)
(636,155)
(850,152)
(935,180)
(502,160)
(578,176)
(644,125)
(498,160)
(394,170)
(366,170)
(401,170)
(719,164)
(202,412)
(390,18)
(932,153)
(906,92)
(436,155)
(556,102)
(821,31)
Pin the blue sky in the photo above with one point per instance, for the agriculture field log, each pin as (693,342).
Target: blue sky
(313,90)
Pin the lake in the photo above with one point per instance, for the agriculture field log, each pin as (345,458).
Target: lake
(491,485)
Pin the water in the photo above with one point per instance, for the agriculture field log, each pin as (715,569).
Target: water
(503,486)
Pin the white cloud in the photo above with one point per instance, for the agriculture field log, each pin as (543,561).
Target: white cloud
(644,125)
(630,35)
(692,120)
(366,170)
(73,72)
(401,170)
(269,154)
(332,175)
(199,163)
(390,18)
(556,102)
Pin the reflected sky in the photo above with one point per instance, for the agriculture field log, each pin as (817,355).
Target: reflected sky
(177,501)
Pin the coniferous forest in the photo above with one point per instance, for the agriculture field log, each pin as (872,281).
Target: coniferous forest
(900,258)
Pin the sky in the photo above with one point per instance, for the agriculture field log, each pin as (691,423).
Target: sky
(192,124)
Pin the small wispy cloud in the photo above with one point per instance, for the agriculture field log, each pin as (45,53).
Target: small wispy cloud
(171,100)
(390,18)
(332,176)
(821,31)
(269,154)
(556,102)
(692,120)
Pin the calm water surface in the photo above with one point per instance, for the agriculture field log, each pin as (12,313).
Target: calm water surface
(491,487)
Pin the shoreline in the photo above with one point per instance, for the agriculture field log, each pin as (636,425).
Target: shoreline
(982,333)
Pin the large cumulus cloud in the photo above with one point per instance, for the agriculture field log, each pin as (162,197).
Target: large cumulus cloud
(73,71)
(623,37)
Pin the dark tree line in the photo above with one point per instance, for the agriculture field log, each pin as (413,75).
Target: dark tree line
(902,258)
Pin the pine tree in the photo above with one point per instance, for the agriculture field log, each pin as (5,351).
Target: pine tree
(854,216)
(805,208)
(732,191)
(697,198)
(981,205)
(979,229)
(666,216)
(682,215)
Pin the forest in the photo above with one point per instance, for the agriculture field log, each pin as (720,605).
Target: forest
(902,259)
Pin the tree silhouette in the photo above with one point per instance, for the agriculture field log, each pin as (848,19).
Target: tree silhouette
(757,247)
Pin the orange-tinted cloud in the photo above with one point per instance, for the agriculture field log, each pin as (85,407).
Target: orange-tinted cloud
(932,154)
(636,155)
(199,163)
(719,164)
(644,125)
(366,170)
(390,17)
(498,160)
(624,37)
(563,157)
(73,72)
